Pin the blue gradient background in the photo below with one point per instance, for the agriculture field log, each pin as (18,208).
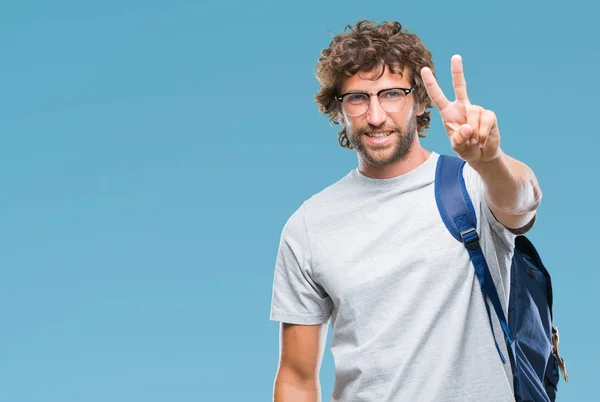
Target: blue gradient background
(151,152)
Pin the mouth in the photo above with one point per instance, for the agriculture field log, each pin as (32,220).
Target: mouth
(378,137)
(382,134)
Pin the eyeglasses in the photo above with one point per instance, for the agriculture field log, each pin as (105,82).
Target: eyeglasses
(390,99)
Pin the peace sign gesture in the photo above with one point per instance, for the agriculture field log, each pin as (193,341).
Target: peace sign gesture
(473,130)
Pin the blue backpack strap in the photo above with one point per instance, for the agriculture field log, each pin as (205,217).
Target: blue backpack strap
(458,214)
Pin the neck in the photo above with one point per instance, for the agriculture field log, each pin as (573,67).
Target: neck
(414,158)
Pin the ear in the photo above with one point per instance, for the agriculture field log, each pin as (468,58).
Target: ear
(420,110)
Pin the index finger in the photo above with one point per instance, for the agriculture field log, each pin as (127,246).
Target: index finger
(433,89)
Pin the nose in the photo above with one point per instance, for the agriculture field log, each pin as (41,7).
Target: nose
(376,115)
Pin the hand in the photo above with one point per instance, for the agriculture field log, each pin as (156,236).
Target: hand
(473,130)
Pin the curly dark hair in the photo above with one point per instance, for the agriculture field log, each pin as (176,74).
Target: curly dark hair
(364,48)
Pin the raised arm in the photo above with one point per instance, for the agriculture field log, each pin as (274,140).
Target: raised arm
(511,188)
(301,350)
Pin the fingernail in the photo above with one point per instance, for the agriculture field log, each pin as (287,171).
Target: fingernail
(473,140)
(463,131)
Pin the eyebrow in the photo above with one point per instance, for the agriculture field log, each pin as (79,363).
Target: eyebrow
(366,92)
(357,90)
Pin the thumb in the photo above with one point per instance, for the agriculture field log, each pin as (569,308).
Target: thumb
(460,143)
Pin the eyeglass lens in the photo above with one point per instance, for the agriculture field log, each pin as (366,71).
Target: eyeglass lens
(392,100)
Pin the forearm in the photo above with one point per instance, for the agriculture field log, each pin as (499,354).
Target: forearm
(291,388)
(510,185)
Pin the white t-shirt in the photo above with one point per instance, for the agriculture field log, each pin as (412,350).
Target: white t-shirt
(407,315)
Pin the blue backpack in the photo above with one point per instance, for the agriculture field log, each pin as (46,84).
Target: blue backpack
(531,337)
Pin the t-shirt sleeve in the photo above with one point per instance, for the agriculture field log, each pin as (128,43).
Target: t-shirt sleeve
(475,188)
(297,298)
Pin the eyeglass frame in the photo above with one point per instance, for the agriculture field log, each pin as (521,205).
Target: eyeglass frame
(407,91)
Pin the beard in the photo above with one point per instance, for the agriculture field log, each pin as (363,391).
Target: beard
(400,143)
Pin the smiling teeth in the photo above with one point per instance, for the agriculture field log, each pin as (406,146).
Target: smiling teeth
(378,135)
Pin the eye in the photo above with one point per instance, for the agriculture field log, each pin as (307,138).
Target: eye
(392,94)
(357,98)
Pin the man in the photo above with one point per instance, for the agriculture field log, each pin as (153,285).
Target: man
(371,251)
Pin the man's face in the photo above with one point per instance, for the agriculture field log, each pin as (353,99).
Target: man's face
(401,126)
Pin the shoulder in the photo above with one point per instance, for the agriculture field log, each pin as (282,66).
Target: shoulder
(319,203)
(324,203)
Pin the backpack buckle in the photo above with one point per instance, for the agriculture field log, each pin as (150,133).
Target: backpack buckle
(470,238)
